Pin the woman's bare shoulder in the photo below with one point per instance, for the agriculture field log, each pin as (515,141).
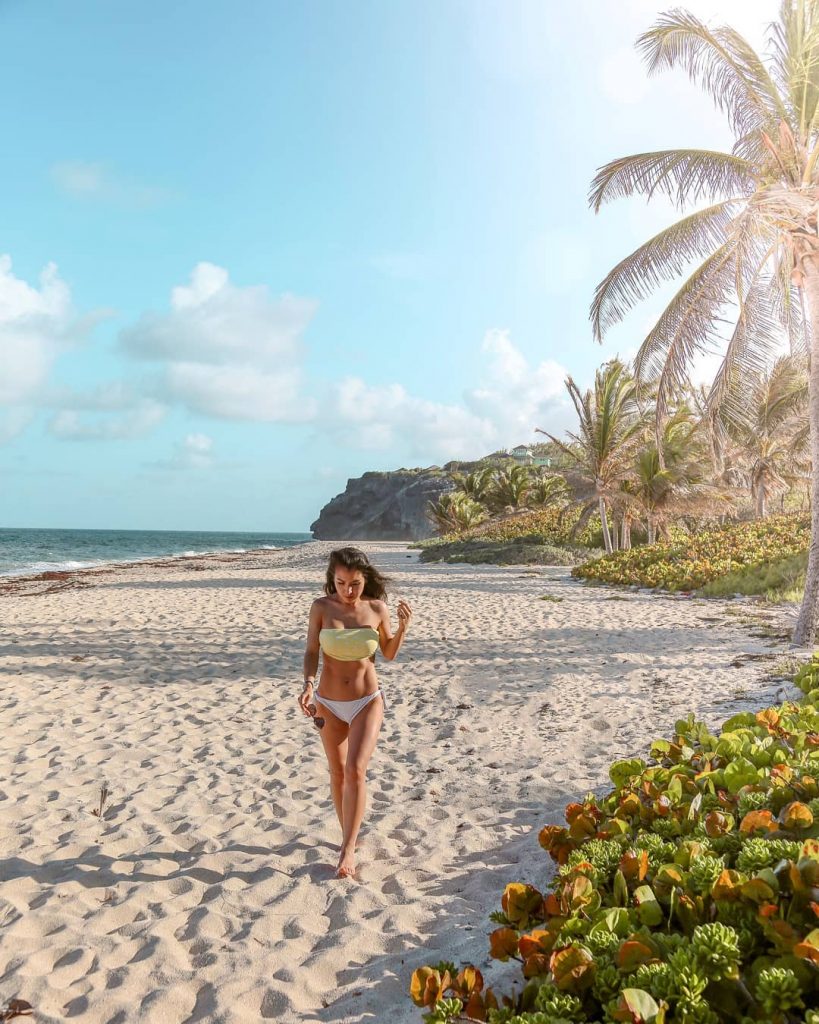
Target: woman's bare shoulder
(379,607)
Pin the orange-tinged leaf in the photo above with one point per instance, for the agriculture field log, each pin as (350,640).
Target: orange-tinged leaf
(768,718)
(796,815)
(475,1008)
(573,811)
(425,986)
(768,910)
(630,805)
(757,821)
(552,906)
(582,888)
(469,980)
(538,941)
(810,848)
(556,842)
(520,902)
(632,953)
(572,968)
(535,965)
(582,827)
(717,824)
(503,943)
(634,864)
(727,886)
(806,951)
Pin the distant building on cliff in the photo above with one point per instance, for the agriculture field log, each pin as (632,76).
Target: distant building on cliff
(523,456)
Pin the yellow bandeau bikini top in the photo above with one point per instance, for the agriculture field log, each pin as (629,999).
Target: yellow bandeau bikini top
(352,644)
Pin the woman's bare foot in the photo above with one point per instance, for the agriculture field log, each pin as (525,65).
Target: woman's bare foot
(346,864)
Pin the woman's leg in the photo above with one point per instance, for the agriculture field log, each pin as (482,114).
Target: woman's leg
(334,740)
(363,734)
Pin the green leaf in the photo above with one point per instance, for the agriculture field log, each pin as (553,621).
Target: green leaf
(616,921)
(741,773)
(621,771)
(648,909)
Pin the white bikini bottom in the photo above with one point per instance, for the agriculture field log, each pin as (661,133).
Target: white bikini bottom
(346,710)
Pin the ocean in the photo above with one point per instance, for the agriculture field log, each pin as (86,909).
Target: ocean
(27,551)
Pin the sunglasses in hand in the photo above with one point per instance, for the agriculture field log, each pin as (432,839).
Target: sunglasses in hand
(318,721)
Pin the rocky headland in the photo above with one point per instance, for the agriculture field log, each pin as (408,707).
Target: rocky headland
(383,506)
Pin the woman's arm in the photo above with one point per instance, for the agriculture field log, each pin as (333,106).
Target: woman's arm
(311,651)
(391,642)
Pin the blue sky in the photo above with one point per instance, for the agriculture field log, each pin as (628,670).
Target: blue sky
(253,250)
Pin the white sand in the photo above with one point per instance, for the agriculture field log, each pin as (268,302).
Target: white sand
(207,893)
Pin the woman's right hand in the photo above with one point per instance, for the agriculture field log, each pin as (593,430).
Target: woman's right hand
(306,700)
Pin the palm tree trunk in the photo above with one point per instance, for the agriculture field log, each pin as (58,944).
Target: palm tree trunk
(605,523)
(625,533)
(806,623)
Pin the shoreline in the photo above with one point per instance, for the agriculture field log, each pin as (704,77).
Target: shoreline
(75,577)
(63,568)
(206,890)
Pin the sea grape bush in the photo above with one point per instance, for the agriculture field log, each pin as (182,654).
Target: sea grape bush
(553,525)
(689,894)
(687,563)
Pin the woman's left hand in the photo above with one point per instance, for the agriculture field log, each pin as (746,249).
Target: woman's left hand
(404,615)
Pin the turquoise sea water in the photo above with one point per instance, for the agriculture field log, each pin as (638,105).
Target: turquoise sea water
(30,551)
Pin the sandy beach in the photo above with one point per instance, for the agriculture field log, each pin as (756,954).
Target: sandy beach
(206,891)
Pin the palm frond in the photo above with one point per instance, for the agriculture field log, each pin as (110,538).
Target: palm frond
(756,339)
(663,258)
(683,175)
(721,62)
(688,325)
(794,45)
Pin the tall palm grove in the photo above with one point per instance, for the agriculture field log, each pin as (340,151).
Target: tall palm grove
(649,449)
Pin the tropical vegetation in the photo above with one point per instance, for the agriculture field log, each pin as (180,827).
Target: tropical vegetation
(690,562)
(746,253)
(685,895)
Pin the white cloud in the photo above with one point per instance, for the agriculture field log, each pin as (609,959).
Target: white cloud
(194,452)
(227,351)
(36,324)
(83,179)
(135,422)
(384,417)
(519,397)
(238,392)
(505,411)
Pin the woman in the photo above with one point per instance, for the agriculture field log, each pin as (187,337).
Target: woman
(347,627)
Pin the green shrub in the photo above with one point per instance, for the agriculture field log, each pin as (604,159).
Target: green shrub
(686,895)
(552,525)
(523,551)
(691,562)
(782,579)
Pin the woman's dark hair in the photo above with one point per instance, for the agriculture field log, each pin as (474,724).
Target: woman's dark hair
(375,585)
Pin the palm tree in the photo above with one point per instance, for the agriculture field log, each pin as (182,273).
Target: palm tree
(609,432)
(767,429)
(475,484)
(547,489)
(509,489)
(756,239)
(677,485)
(455,512)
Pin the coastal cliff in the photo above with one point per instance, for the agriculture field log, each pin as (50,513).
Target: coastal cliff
(383,506)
